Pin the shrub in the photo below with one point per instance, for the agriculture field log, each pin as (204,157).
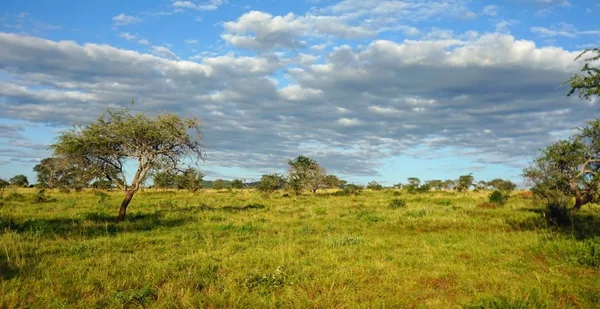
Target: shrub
(374,185)
(352,189)
(498,197)
(267,282)
(40,197)
(557,214)
(397,203)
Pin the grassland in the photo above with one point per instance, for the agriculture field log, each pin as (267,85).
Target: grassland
(238,249)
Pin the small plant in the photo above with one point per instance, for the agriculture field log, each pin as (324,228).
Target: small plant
(41,197)
(397,203)
(396,193)
(268,282)
(487,205)
(346,241)
(498,197)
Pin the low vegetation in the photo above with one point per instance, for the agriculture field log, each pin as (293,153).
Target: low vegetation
(216,248)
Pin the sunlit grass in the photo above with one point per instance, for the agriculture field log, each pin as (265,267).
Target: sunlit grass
(239,249)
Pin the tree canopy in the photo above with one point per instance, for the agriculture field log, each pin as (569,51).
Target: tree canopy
(19,181)
(305,174)
(119,136)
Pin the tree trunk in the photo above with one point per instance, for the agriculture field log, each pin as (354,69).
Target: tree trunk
(124,204)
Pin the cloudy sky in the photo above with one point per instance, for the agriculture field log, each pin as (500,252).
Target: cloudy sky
(373,90)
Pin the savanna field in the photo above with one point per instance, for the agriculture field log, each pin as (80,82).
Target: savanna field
(239,249)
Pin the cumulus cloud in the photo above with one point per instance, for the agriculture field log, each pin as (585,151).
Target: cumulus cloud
(491,98)
(346,19)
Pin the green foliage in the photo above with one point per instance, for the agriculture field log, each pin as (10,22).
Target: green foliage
(332,182)
(374,185)
(270,183)
(557,214)
(498,197)
(41,197)
(19,181)
(587,85)
(413,184)
(237,184)
(351,189)
(305,174)
(397,203)
(118,136)
(588,252)
(139,297)
(502,185)
(464,182)
(3,184)
(191,179)
(219,184)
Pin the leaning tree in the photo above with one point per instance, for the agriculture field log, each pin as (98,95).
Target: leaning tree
(119,137)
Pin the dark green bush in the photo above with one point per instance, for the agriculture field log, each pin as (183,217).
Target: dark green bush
(557,214)
(498,197)
(397,203)
(15,196)
(588,253)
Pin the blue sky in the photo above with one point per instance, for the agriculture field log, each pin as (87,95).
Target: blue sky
(373,90)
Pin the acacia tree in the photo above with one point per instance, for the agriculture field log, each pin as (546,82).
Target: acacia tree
(464,182)
(306,173)
(587,85)
(19,181)
(569,168)
(118,136)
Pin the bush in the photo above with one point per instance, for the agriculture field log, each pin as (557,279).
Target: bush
(397,203)
(41,197)
(557,214)
(352,189)
(498,197)
(374,185)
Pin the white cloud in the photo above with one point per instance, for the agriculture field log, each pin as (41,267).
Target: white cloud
(128,36)
(490,10)
(124,20)
(359,105)
(205,6)
(191,41)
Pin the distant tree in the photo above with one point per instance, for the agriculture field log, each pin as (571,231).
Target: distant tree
(502,185)
(102,184)
(237,184)
(306,174)
(164,179)
(435,184)
(332,182)
(481,185)
(587,85)
(270,183)
(413,184)
(19,181)
(3,184)
(118,137)
(449,184)
(374,185)
(464,182)
(219,184)
(48,171)
(190,179)
(399,186)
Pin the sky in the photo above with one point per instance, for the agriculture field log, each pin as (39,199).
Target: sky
(372,90)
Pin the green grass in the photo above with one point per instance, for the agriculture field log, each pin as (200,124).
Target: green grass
(239,249)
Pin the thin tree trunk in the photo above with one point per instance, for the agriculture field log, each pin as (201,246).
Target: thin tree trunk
(124,204)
